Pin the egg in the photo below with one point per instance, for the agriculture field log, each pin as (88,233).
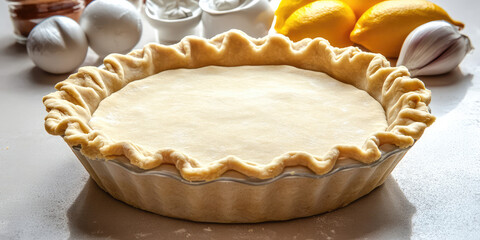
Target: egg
(111,26)
(57,45)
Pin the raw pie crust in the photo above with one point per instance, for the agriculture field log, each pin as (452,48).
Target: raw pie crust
(253,113)
(396,106)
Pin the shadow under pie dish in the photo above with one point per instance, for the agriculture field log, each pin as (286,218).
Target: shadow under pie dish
(236,129)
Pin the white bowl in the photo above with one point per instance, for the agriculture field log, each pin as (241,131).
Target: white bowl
(172,30)
(254,17)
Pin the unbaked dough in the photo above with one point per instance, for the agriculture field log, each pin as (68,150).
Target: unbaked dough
(256,113)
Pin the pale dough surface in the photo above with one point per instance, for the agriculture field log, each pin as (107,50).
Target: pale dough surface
(256,113)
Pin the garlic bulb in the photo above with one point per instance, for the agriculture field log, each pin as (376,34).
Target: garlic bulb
(434,48)
(57,45)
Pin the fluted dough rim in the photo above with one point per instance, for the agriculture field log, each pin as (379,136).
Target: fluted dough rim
(404,99)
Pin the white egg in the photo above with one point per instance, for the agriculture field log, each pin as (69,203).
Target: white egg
(111,26)
(57,45)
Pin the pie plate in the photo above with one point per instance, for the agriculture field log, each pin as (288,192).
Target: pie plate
(235,198)
(172,180)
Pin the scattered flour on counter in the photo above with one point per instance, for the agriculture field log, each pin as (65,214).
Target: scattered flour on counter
(181,230)
(142,235)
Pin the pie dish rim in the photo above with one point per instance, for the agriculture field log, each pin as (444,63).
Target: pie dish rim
(255,181)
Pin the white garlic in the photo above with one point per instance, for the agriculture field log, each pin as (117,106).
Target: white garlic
(434,48)
(57,45)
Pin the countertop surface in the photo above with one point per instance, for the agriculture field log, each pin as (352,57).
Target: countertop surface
(45,193)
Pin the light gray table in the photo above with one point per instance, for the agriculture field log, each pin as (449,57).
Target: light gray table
(434,193)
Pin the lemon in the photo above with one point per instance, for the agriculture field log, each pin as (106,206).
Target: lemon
(384,27)
(360,6)
(330,19)
(286,8)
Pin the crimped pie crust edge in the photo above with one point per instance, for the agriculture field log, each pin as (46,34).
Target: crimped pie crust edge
(404,99)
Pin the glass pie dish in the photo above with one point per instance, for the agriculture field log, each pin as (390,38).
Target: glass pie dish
(235,198)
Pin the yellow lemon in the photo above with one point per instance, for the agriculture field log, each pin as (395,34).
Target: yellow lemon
(286,8)
(384,27)
(330,19)
(360,6)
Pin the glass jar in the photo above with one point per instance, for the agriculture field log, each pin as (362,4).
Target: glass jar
(26,14)
(137,3)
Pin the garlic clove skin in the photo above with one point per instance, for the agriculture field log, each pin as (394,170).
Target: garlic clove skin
(417,49)
(57,45)
(448,60)
(434,48)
